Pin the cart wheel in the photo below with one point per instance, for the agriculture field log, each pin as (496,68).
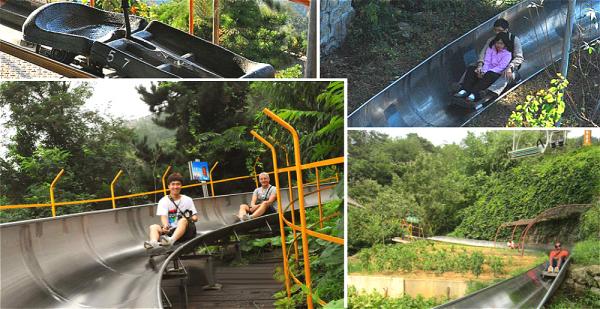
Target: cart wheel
(62,56)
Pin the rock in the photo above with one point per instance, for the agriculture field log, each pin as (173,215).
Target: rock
(594,270)
(595,291)
(405,30)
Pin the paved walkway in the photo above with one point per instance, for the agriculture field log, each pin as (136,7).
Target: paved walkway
(463,241)
(15,68)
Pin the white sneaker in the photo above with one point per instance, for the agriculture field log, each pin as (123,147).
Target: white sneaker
(471,97)
(550,269)
(150,244)
(461,94)
(166,241)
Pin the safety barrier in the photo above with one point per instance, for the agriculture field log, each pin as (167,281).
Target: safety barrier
(303,229)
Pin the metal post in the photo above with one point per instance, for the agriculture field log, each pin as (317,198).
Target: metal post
(163,180)
(216,22)
(566,50)
(299,183)
(291,195)
(286,267)
(587,138)
(311,54)
(319,197)
(191,18)
(212,187)
(112,188)
(125,7)
(52,191)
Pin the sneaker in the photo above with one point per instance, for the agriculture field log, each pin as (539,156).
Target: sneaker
(471,97)
(246,217)
(150,244)
(166,241)
(461,94)
(555,269)
(550,269)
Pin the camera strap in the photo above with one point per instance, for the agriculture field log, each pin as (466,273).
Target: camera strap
(176,206)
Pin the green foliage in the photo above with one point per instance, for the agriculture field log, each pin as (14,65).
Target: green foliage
(326,261)
(421,255)
(376,300)
(315,110)
(531,187)
(257,31)
(294,71)
(52,131)
(476,265)
(497,265)
(566,301)
(544,109)
(590,223)
(587,252)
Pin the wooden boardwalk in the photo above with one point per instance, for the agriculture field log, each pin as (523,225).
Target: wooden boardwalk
(247,286)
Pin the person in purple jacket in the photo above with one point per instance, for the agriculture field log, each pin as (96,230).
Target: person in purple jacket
(497,58)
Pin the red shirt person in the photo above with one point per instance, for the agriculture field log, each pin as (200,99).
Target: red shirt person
(557,257)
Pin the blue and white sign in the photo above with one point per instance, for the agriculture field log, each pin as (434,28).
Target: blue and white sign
(199,171)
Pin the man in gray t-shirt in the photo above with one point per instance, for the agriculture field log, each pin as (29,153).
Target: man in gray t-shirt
(262,200)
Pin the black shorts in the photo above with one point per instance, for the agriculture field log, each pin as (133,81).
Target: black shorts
(270,210)
(190,232)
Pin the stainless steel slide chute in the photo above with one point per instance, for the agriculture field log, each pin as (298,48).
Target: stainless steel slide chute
(96,259)
(421,98)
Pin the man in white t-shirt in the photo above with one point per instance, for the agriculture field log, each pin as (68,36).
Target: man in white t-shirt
(262,200)
(177,216)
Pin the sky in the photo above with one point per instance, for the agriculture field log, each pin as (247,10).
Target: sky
(118,98)
(446,136)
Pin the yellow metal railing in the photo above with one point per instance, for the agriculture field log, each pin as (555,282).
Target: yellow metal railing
(163,190)
(52,191)
(212,188)
(112,188)
(303,229)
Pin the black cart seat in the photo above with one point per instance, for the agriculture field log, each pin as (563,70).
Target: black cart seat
(153,50)
(74,27)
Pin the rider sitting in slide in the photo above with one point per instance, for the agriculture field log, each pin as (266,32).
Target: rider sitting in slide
(177,216)
(557,257)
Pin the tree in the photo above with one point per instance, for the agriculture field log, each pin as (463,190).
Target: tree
(52,131)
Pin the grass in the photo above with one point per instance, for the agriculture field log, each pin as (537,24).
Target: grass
(376,300)
(587,252)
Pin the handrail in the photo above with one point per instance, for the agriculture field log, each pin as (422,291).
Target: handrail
(112,188)
(163,190)
(212,188)
(299,184)
(280,211)
(163,180)
(52,191)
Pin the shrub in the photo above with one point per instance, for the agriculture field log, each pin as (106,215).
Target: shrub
(587,252)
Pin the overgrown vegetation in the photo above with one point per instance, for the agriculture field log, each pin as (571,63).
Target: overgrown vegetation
(326,260)
(569,301)
(587,252)
(376,300)
(424,256)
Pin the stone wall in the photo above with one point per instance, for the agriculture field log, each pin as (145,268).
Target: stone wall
(583,278)
(335,18)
